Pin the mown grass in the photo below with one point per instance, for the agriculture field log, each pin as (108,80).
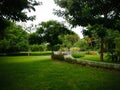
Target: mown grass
(42,73)
(38,53)
(94,58)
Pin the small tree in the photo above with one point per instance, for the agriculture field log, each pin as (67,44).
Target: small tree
(101,32)
(68,40)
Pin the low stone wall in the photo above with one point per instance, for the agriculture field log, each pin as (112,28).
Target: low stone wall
(68,58)
(105,65)
(99,64)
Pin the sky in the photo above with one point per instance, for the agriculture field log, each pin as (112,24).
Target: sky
(44,13)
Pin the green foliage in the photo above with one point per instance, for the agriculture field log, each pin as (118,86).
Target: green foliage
(112,44)
(85,12)
(34,39)
(40,47)
(70,60)
(78,54)
(74,49)
(63,49)
(13,9)
(82,44)
(4,24)
(15,39)
(35,47)
(100,14)
(68,40)
(58,57)
(49,32)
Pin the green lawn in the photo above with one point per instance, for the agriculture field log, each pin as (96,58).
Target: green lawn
(42,73)
(91,57)
(94,58)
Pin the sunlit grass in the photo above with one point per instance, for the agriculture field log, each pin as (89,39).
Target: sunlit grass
(93,57)
(16,59)
(42,73)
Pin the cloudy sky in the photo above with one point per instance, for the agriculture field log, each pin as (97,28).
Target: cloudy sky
(44,12)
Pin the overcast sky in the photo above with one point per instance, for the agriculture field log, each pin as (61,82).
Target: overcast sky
(44,12)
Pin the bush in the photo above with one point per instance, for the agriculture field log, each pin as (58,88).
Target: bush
(91,53)
(35,47)
(63,49)
(58,57)
(75,49)
(70,60)
(78,55)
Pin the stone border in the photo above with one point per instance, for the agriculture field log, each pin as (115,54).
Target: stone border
(99,64)
(70,59)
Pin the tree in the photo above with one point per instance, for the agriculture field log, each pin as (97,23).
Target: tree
(35,39)
(101,33)
(85,12)
(14,40)
(68,40)
(49,32)
(14,9)
(82,44)
(113,45)
(105,13)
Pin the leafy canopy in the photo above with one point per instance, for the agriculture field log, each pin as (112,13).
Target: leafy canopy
(15,9)
(85,12)
(49,32)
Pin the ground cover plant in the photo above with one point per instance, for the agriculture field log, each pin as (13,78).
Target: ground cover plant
(42,73)
(78,55)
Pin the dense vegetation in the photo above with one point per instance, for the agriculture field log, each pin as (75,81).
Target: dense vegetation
(102,15)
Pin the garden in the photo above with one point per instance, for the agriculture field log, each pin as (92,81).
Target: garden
(49,55)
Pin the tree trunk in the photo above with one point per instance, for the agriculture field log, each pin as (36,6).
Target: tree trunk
(101,49)
(52,55)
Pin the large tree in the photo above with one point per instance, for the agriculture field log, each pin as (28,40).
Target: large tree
(49,32)
(94,32)
(14,9)
(85,12)
(100,13)
(14,40)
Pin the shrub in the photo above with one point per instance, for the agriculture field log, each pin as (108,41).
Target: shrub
(78,55)
(35,47)
(93,53)
(63,49)
(70,60)
(58,57)
(75,49)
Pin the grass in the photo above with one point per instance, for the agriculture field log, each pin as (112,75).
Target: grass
(38,53)
(97,58)
(93,58)
(42,73)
